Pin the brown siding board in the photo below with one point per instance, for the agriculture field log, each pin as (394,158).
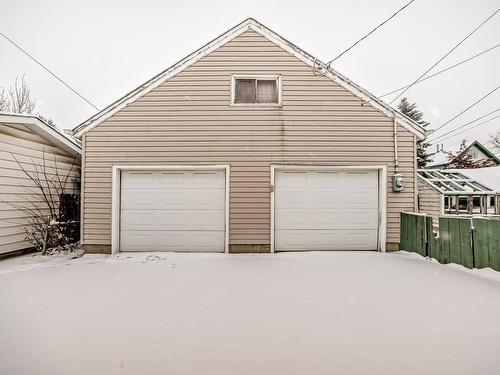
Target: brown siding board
(188,120)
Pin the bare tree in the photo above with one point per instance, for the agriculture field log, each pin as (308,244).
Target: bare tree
(496,137)
(20,97)
(49,184)
(4,102)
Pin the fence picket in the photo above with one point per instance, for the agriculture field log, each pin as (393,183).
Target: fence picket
(444,234)
(494,243)
(454,240)
(432,240)
(465,243)
(481,254)
(420,235)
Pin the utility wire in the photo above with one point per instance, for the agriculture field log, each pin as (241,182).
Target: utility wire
(446,55)
(472,127)
(466,109)
(47,70)
(329,63)
(462,126)
(443,70)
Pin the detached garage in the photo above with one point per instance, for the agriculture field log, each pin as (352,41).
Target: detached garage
(249,144)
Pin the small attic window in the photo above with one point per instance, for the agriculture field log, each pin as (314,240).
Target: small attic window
(256,90)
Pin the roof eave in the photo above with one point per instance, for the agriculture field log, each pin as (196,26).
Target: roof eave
(40,127)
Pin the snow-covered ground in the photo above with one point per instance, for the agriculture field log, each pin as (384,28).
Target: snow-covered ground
(294,313)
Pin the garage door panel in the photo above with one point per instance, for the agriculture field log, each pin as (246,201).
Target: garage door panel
(324,179)
(293,240)
(192,179)
(296,219)
(292,198)
(209,179)
(177,210)
(365,179)
(191,199)
(145,198)
(173,220)
(209,241)
(326,210)
(361,220)
(138,198)
(138,179)
(360,199)
(172,179)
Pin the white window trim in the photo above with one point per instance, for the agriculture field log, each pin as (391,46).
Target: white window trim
(382,182)
(276,77)
(116,193)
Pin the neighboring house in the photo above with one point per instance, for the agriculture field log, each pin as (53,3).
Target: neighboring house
(477,152)
(241,147)
(30,141)
(459,191)
(440,158)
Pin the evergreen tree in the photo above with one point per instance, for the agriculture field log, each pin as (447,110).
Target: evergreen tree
(410,110)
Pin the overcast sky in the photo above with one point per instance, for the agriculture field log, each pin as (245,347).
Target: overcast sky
(106,48)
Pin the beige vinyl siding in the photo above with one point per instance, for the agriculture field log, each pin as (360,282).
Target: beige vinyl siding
(189,120)
(15,187)
(429,200)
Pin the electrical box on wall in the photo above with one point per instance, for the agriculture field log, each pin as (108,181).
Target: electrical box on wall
(398,182)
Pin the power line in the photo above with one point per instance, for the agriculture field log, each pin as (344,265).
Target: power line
(472,127)
(443,70)
(329,63)
(446,54)
(47,70)
(462,126)
(466,109)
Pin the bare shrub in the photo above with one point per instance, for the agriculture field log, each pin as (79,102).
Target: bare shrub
(49,184)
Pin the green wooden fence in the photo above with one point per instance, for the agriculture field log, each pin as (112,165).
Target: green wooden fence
(472,242)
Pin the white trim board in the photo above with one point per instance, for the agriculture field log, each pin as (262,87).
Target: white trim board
(250,24)
(382,191)
(115,195)
(44,130)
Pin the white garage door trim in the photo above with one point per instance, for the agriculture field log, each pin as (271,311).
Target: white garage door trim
(382,178)
(115,195)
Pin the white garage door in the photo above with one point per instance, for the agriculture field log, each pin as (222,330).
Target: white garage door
(172,210)
(326,210)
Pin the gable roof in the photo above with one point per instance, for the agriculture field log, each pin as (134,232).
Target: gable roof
(250,24)
(484,150)
(44,130)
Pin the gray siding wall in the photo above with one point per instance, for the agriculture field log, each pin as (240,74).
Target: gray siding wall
(16,189)
(189,120)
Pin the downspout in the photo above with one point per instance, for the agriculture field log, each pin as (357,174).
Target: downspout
(396,159)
